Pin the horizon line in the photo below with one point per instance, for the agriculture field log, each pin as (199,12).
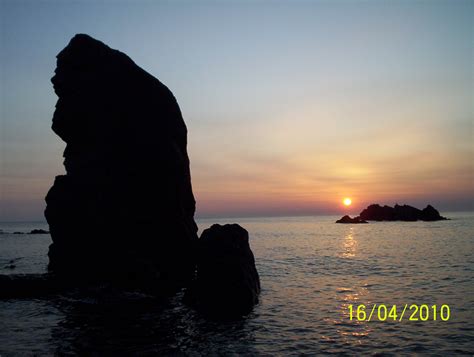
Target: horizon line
(205,217)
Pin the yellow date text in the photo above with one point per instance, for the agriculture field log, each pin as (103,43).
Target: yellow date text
(413,312)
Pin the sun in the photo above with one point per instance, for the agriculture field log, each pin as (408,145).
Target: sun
(347,201)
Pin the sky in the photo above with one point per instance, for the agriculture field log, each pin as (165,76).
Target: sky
(290,105)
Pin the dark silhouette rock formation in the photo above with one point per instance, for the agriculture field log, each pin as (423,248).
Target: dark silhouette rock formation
(227,282)
(348,219)
(376,212)
(124,210)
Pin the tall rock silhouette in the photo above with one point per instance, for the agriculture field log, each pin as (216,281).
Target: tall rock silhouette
(124,210)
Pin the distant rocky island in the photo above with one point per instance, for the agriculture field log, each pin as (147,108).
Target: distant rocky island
(406,213)
(34,231)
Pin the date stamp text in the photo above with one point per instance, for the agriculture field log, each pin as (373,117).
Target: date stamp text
(413,312)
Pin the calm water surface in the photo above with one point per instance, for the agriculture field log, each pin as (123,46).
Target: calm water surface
(311,270)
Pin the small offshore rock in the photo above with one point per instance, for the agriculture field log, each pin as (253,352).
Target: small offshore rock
(348,219)
(38,231)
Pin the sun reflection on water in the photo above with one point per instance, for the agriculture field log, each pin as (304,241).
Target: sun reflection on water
(351,332)
(349,245)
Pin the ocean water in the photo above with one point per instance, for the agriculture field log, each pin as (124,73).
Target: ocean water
(311,270)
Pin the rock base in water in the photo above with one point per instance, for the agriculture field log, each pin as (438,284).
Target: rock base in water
(28,285)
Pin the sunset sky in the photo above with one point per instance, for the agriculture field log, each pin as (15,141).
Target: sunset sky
(290,105)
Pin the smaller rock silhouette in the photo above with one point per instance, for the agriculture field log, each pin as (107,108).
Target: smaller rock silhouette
(227,282)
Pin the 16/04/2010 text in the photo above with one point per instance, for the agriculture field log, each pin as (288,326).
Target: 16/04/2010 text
(382,312)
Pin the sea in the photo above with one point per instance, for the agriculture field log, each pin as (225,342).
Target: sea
(313,272)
